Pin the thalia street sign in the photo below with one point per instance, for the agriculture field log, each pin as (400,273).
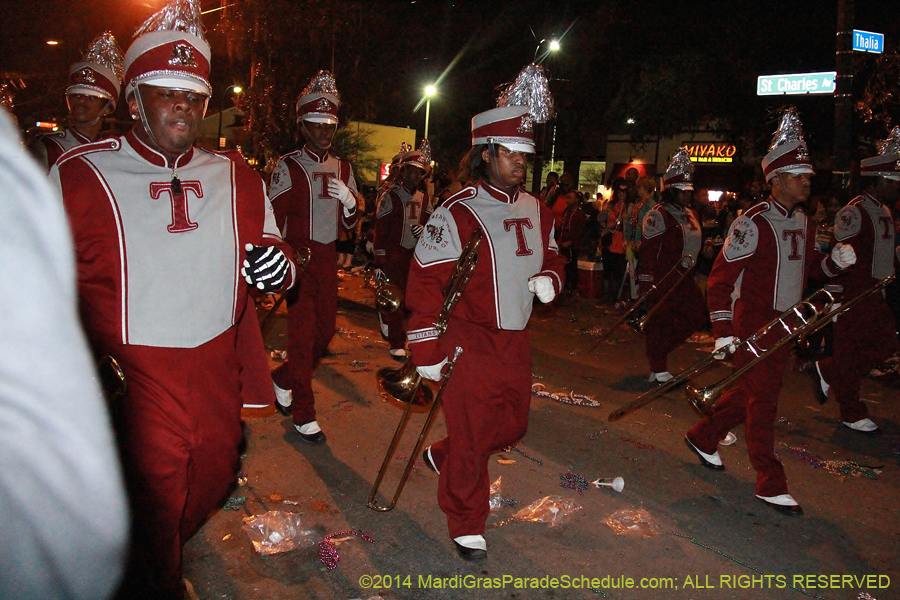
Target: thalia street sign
(801,83)
(867,41)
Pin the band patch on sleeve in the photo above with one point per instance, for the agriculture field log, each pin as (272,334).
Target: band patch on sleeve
(440,240)
(653,224)
(742,239)
(847,223)
(385,206)
(720,315)
(280,181)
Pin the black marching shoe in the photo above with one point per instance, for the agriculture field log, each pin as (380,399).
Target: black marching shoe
(310,433)
(283,400)
(785,504)
(426,457)
(468,552)
(820,387)
(710,461)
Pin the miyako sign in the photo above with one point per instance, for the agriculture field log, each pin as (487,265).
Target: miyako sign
(710,152)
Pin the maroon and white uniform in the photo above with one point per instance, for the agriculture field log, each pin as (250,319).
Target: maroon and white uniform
(309,217)
(669,232)
(760,273)
(398,211)
(161,291)
(486,401)
(865,335)
(48,148)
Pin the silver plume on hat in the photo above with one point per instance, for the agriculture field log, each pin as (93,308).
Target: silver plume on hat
(105,52)
(892,144)
(177,15)
(530,89)
(681,164)
(404,148)
(425,149)
(789,129)
(322,83)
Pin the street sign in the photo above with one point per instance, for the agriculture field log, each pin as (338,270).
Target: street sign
(801,83)
(867,41)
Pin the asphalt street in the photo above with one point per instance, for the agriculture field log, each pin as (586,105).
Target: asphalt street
(700,534)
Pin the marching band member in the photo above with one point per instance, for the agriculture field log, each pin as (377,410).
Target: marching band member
(866,335)
(93,92)
(486,401)
(670,231)
(399,221)
(759,274)
(313,193)
(165,237)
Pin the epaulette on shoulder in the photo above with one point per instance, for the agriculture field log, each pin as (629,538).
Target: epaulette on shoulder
(106,145)
(232,155)
(470,191)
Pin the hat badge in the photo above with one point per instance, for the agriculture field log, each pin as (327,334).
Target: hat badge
(802,153)
(183,56)
(526,125)
(323,104)
(85,75)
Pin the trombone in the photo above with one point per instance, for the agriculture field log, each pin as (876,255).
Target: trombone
(685,265)
(704,399)
(404,384)
(388,296)
(797,323)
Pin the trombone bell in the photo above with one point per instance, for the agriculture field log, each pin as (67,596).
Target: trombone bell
(702,399)
(403,385)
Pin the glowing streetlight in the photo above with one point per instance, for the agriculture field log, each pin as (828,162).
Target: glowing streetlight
(52,43)
(554,45)
(429,92)
(237,90)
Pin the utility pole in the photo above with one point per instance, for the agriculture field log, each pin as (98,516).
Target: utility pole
(844,145)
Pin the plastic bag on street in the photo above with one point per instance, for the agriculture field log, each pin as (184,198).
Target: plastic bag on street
(496,500)
(554,510)
(277,531)
(633,522)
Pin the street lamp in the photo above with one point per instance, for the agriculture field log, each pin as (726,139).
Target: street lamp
(554,45)
(237,90)
(429,92)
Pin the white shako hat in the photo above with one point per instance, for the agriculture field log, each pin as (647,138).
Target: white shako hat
(680,172)
(100,73)
(887,163)
(170,51)
(404,148)
(420,158)
(511,124)
(787,152)
(320,100)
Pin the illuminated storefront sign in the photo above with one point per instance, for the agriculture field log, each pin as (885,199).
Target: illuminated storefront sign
(710,152)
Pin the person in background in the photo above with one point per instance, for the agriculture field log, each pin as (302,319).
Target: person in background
(314,196)
(613,242)
(865,335)
(832,203)
(645,189)
(551,188)
(570,237)
(92,94)
(767,258)
(400,220)
(487,399)
(559,204)
(64,520)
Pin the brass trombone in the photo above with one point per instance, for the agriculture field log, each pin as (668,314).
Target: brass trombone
(704,399)
(803,312)
(404,384)
(685,265)
(388,297)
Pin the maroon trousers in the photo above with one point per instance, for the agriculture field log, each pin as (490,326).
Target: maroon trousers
(864,337)
(682,313)
(486,404)
(312,315)
(754,402)
(179,428)
(397,271)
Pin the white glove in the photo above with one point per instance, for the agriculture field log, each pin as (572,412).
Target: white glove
(843,255)
(542,287)
(432,372)
(417,230)
(338,190)
(265,267)
(725,344)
